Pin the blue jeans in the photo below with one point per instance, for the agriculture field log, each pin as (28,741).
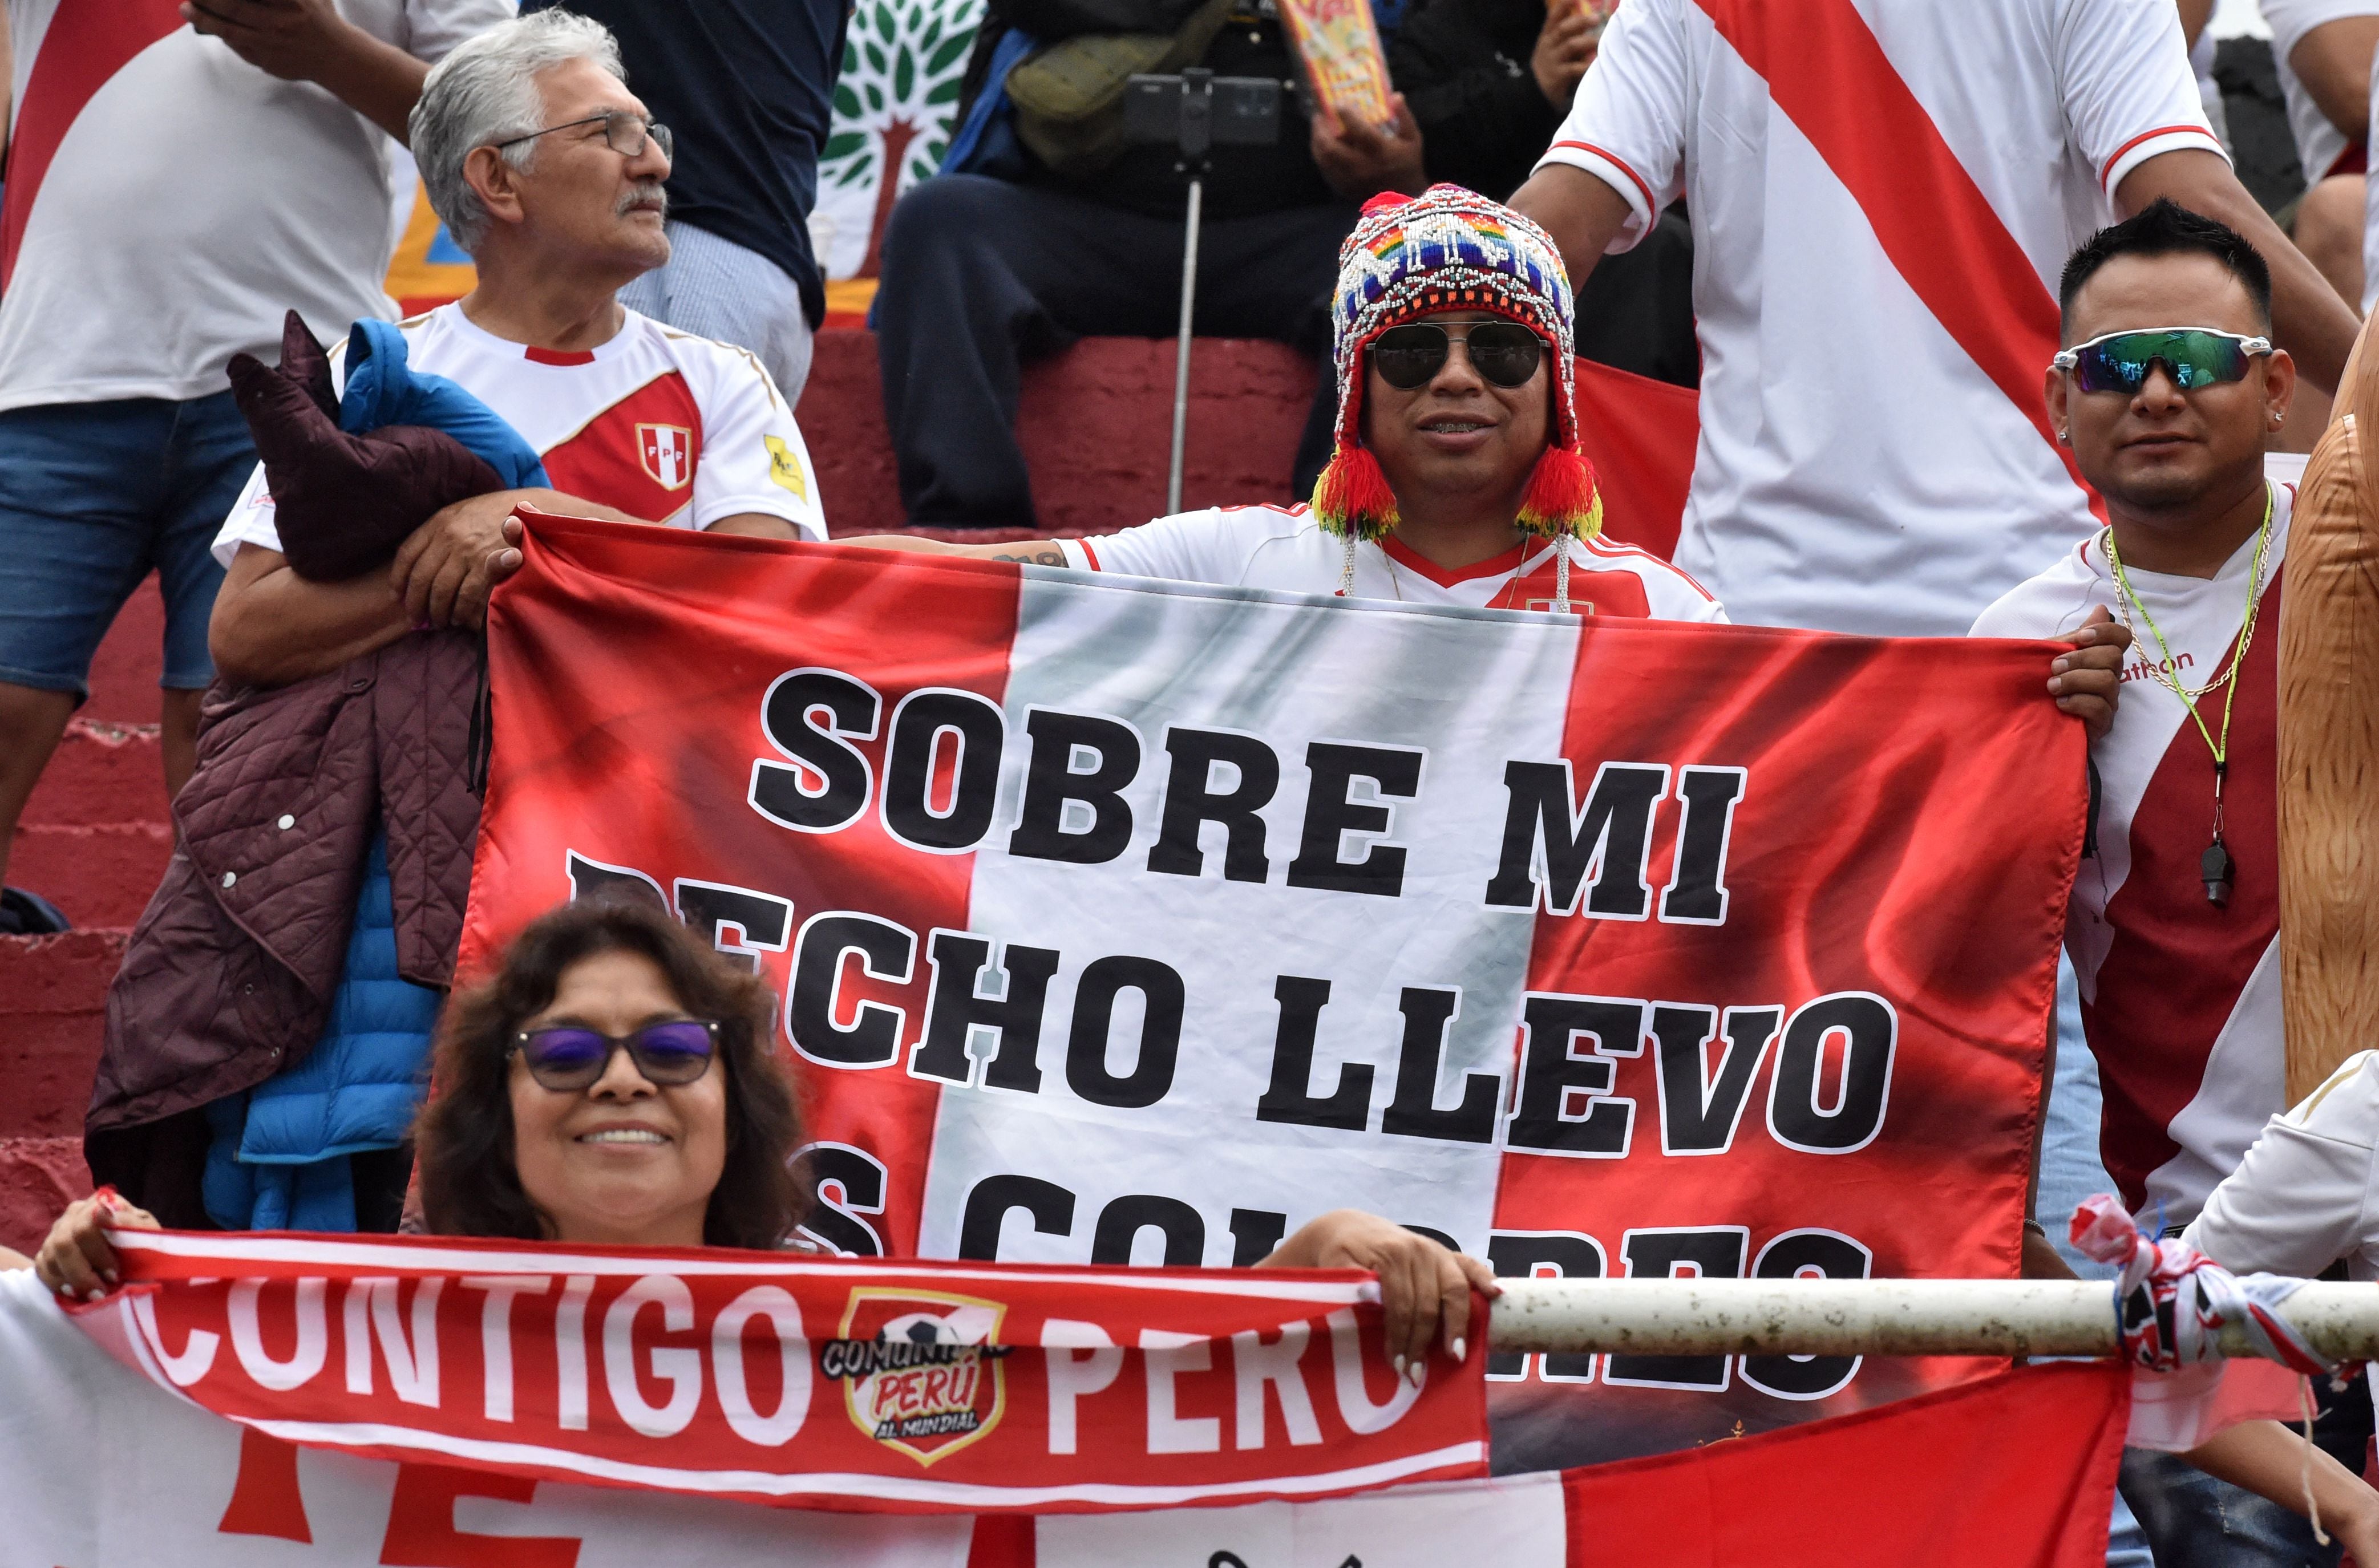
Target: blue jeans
(92,497)
(2070,1170)
(2194,1521)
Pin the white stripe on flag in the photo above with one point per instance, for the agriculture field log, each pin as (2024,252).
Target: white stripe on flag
(1468,691)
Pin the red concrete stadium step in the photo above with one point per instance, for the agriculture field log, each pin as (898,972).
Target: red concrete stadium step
(55,994)
(95,836)
(53,1001)
(38,1177)
(1096,423)
(123,673)
(100,877)
(102,775)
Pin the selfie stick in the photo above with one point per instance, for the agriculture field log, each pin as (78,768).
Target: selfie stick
(1197,137)
(1194,110)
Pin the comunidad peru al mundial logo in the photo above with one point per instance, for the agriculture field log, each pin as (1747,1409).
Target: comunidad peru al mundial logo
(920,1368)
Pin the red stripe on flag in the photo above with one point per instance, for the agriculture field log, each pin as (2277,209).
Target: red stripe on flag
(658,784)
(84,45)
(1829,75)
(2173,972)
(1893,867)
(2016,1469)
(1001,1540)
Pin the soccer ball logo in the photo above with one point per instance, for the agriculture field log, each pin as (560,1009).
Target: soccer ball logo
(920,1370)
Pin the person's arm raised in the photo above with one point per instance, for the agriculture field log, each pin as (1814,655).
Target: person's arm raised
(2333,61)
(2309,320)
(309,41)
(1582,212)
(2194,15)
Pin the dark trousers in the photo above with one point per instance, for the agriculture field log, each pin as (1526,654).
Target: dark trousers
(980,275)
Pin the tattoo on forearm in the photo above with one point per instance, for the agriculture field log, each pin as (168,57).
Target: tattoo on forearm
(1046,555)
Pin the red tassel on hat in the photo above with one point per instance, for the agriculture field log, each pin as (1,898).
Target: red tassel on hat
(1353,499)
(1562,498)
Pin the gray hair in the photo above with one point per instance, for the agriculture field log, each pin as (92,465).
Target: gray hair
(485,92)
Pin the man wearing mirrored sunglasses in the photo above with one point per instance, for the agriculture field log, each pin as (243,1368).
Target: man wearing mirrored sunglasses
(2165,391)
(1455,478)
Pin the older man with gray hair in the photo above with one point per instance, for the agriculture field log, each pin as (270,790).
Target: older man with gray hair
(269,1031)
(546,169)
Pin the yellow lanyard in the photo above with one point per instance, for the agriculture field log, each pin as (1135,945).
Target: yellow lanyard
(2215,867)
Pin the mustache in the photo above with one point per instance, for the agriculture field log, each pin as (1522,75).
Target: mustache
(642,192)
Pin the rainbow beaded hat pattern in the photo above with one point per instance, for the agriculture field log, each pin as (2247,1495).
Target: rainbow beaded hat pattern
(1451,249)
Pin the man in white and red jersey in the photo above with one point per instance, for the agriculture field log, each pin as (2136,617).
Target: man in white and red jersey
(2165,392)
(172,187)
(1882,192)
(1455,478)
(2175,914)
(544,167)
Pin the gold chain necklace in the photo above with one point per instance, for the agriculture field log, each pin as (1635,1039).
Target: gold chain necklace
(2215,867)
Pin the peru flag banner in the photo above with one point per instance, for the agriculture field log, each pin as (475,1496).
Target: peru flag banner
(106,1469)
(1121,922)
(815,1382)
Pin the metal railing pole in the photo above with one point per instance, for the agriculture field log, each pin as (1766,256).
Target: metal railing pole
(1698,1317)
(1181,350)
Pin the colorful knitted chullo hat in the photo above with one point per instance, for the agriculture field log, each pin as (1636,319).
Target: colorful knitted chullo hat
(1451,249)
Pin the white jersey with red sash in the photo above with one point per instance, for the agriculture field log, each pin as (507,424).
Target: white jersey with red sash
(1283,548)
(1883,194)
(665,426)
(2180,996)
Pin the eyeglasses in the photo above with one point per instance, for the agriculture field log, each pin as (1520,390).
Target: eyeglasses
(567,1057)
(1503,352)
(2193,356)
(625,133)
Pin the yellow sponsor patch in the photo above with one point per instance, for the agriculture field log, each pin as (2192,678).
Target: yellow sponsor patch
(786,469)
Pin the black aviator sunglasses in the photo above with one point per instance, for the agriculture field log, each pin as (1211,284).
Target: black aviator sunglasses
(1503,352)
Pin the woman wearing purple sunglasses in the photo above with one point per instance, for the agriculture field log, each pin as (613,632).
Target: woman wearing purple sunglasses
(614,1085)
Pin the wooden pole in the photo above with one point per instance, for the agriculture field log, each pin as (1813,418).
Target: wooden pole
(2329,741)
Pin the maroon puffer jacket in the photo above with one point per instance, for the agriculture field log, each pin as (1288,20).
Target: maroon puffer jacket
(230,972)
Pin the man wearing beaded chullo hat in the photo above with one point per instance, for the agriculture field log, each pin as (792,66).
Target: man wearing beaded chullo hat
(1457,476)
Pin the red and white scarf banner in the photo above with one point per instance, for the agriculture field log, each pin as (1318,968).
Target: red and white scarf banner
(1122,921)
(816,1383)
(102,1469)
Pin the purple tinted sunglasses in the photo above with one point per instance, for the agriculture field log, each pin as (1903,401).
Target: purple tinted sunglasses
(569,1058)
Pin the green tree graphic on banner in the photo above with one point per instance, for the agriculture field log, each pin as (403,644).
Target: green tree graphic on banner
(893,110)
